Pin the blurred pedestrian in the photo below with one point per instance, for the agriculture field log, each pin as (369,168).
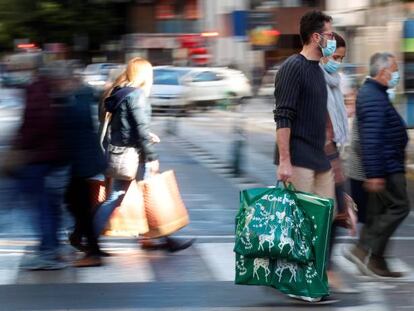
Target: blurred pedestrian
(127,103)
(382,141)
(336,135)
(301,110)
(355,173)
(85,158)
(44,177)
(257,77)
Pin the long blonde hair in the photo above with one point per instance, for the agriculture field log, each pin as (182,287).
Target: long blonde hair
(138,73)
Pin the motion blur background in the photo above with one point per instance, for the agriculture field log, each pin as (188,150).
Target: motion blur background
(215,63)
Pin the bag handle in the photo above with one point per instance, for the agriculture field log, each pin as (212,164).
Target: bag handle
(104,129)
(286,185)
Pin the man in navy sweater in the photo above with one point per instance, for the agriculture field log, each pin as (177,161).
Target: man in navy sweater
(301,110)
(382,143)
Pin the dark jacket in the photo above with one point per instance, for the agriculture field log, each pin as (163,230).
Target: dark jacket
(40,134)
(131,116)
(82,141)
(383,135)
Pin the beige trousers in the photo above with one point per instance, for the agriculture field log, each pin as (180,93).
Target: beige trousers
(307,180)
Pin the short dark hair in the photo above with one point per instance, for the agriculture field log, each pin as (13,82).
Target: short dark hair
(340,41)
(312,22)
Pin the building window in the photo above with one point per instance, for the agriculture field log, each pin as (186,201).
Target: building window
(178,26)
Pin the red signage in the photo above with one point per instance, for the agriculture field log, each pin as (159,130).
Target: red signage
(165,9)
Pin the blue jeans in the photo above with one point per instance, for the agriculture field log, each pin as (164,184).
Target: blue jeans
(44,185)
(118,191)
(105,210)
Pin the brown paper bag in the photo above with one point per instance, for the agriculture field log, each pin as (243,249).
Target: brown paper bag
(164,207)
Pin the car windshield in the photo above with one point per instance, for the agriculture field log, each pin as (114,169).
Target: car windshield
(168,76)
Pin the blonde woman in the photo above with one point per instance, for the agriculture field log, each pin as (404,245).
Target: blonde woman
(127,102)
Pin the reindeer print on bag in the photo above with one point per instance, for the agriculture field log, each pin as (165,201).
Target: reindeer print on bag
(269,238)
(261,263)
(283,265)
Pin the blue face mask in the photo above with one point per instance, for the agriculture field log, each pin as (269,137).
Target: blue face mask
(395,78)
(331,66)
(329,49)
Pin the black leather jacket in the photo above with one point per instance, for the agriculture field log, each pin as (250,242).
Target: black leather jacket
(131,116)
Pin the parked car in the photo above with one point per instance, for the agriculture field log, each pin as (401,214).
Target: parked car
(169,92)
(96,76)
(183,88)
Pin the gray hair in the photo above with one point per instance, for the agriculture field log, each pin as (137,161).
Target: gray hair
(378,62)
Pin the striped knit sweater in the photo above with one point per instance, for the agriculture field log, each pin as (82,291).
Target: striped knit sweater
(301,105)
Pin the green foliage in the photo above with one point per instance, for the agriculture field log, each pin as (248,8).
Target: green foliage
(44,21)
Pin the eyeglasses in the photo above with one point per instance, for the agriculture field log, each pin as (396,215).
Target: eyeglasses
(328,35)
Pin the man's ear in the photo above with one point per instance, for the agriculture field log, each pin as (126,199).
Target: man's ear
(315,37)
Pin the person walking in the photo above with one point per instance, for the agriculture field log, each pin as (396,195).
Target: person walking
(355,173)
(43,178)
(301,110)
(336,135)
(85,159)
(127,101)
(383,139)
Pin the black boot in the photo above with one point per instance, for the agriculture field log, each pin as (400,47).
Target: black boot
(175,245)
(76,241)
(167,243)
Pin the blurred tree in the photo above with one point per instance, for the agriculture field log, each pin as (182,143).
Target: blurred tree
(43,21)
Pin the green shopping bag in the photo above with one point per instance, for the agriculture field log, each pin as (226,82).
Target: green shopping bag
(288,277)
(308,281)
(320,211)
(270,225)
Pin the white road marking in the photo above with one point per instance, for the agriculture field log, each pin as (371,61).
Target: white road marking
(220,259)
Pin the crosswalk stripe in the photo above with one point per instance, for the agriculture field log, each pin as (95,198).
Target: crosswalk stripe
(9,268)
(133,268)
(131,264)
(219,258)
